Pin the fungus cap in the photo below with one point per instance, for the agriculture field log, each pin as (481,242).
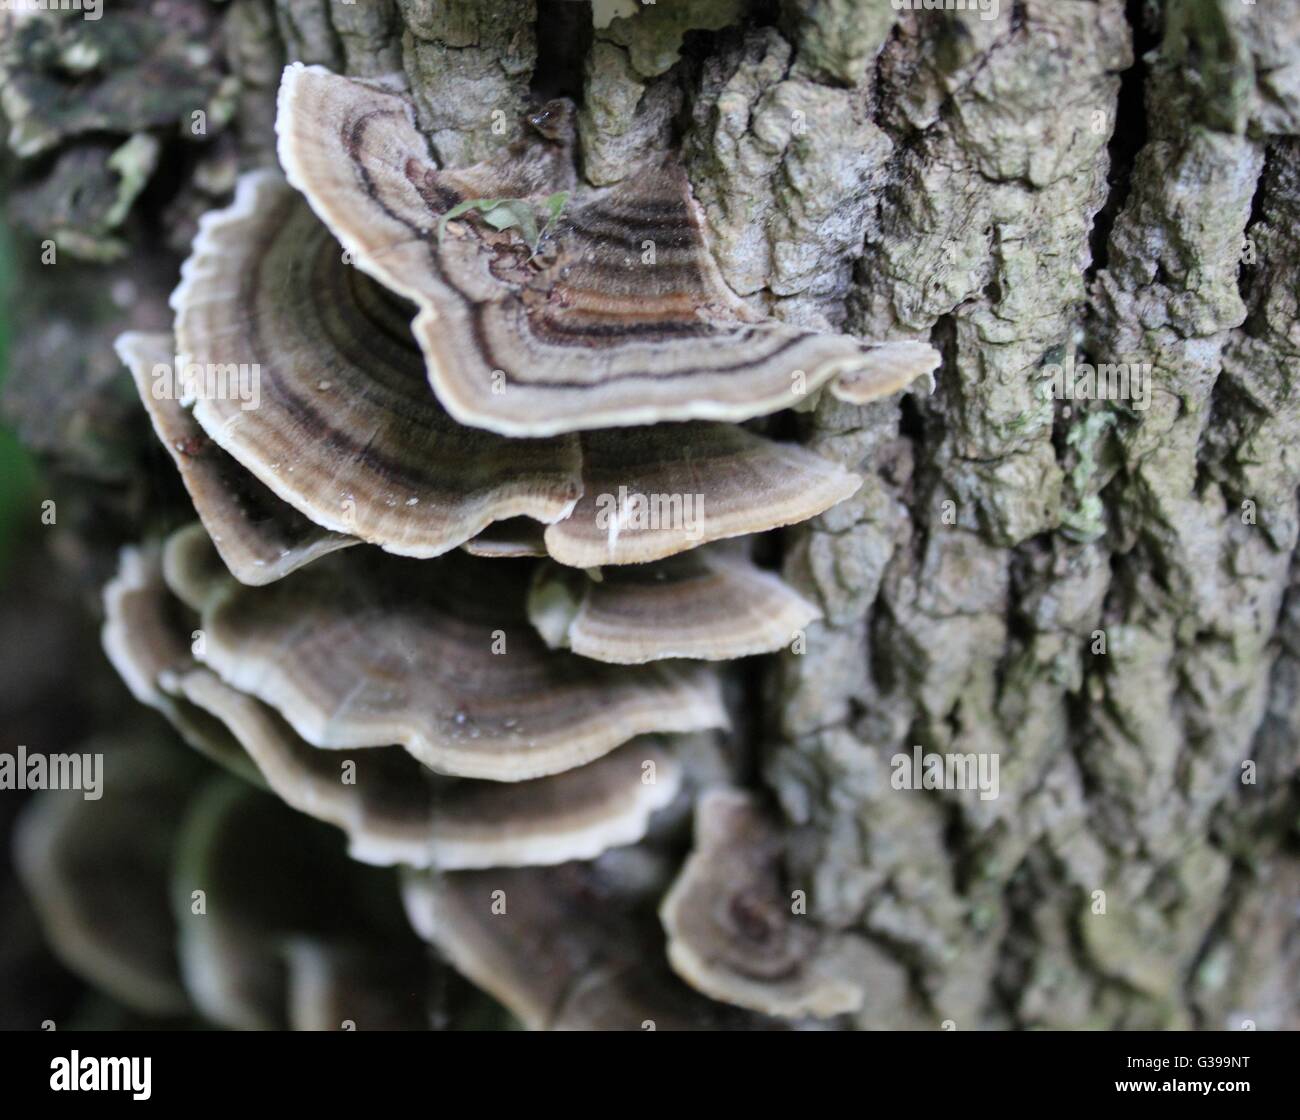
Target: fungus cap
(731,930)
(712,604)
(438,656)
(603,954)
(393,812)
(145,639)
(308,376)
(649,493)
(894,366)
(260,537)
(608,311)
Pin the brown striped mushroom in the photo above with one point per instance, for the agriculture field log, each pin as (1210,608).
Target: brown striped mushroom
(733,933)
(260,537)
(391,809)
(573,947)
(191,566)
(96,871)
(145,638)
(366,650)
(713,604)
(334,414)
(544,306)
(652,492)
(338,423)
(279,929)
(895,365)
(471,369)
(142,635)
(646,493)
(392,812)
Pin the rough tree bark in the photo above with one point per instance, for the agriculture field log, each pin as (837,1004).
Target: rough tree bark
(1098,593)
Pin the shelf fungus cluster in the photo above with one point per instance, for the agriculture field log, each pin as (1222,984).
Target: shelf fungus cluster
(473,502)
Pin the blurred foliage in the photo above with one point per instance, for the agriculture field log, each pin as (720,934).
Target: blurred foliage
(17,470)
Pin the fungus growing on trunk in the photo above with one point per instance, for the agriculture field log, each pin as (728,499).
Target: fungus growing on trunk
(391,808)
(732,931)
(713,604)
(394,812)
(260,537)
(438,656)
(145,639)
(894,366)
(563,383)
(618,317)
(310,379)
(592,925)
(300,370)
(649,493)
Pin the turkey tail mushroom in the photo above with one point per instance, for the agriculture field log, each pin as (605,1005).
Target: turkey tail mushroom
(649,493)
(336,417)
(709,604)
(573,947)
(390,807)
(732,933)
(260,538)
(438,656)
(567,308)
(144,637)
(392,812)
(342,440)
(564,384)
(894,366)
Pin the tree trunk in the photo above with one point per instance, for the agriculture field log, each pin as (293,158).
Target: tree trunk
(1093,595)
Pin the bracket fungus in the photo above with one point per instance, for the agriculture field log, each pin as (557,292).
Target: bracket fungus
(288,928)
(260,537)
(392,809)
(563,948)
(97,875)
(339,425)
(652,492)
(459,440)
(731,931)
(895,366)
(438,656)
(713,604)
(621,317)
(141,636)
(144,640)
(332,412)
(394,813)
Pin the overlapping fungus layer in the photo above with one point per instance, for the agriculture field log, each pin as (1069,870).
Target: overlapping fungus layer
(470,545)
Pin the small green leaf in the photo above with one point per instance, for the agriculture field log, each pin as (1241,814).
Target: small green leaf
(509,213)
(515,212)
(555,204)
(486,205)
